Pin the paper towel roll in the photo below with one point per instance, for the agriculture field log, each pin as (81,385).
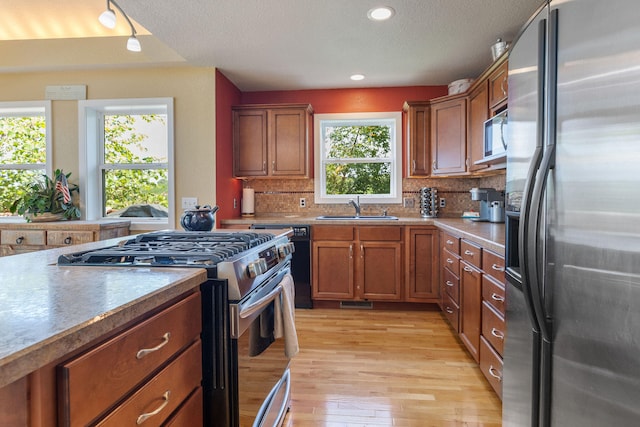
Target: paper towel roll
(248,201)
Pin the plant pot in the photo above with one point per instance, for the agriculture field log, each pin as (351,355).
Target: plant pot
(45,217)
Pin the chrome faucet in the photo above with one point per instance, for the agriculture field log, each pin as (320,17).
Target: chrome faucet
(356,205)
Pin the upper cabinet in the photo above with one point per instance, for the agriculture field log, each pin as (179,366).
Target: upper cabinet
(271,140)
(418,119)
(498,86)
(449,135)
(478,114)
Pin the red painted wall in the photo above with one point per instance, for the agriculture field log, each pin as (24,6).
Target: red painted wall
(227,187)
(322,100)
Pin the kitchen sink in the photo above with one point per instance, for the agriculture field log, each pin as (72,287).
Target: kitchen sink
(353,217)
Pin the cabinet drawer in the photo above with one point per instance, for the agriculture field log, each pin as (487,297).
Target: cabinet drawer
(471,253)
(451,243)
(65,238)
(97,379)
(493,293)
(190,414)
(380,234)
(163,393)
(493,327)
(452,312)
(451,284)
(23,237)
(450,261)
(333,232)
(493,265)
(491,366)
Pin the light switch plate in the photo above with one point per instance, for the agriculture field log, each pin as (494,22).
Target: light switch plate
(189,202)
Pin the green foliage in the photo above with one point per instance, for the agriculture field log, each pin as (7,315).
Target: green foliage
(42,196)
(125,187)
(356,173)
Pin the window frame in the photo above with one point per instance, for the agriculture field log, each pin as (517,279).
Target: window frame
(395,196)
(91,148)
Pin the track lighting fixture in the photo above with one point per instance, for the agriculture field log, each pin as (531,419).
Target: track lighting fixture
(108,19)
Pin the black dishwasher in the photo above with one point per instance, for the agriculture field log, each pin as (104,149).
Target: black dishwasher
(301,261)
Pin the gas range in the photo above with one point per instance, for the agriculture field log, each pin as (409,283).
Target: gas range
(241,257)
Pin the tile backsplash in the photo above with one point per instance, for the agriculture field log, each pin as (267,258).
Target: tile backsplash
(274,196)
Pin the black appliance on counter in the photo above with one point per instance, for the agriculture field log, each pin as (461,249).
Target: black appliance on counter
(301,261)
(245,271)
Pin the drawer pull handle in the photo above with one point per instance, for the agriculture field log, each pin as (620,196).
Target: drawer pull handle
(496,333)
(495,373)
(144,417)
(449,283)
(67,240)
(468,252)
(142,353)
(449,242)
(449,260)
(19,240)
(497,267)
(497,297)
(449,310)
(468,269)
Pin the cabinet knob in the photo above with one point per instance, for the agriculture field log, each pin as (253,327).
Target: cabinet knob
(497,297)
(496,333)
(468,252)
(497,267)
(67,240)
(495,373)
(448,283)
(19,240)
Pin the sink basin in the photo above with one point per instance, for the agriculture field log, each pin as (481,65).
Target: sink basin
(353,217)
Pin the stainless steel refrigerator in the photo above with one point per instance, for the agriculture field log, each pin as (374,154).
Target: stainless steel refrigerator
(572,350)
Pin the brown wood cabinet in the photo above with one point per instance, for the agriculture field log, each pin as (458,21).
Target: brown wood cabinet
(418,125)
(449,135)
(271,140)
(470,297)
(22,237)
(478,114)
(499,85)
(357,263)
(421,264)
(157,356)
(450,278)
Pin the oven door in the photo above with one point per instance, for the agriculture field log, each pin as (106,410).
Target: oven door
(261,376)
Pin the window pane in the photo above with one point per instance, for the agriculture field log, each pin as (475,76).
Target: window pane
(13,184)
(358,178)
(23,140)
(135,138)
(352,142)
(135,192)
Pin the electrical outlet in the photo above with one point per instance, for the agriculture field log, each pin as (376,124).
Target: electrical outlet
(189,202)
(443,202)
(408,202)
(235,203)
(303,202)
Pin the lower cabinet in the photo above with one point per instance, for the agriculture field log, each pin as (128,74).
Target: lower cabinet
(421,264)
(470,308)
(357,263)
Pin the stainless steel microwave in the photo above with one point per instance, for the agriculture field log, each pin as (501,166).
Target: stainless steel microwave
(495,135)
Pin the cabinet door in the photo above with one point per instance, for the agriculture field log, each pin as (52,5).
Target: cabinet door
(250,143)
(449,136)
(333,270)
(498,86)
(470,308)
(418,133)
(288,142)
(380,272)
(478,114)
(422,265)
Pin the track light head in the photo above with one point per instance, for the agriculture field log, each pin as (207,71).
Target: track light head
(133,44)
(108,19)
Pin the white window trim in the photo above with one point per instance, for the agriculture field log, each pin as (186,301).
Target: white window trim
(90,128)
(22,108)
(396,167)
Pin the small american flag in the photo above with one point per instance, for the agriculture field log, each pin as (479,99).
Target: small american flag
(63,186)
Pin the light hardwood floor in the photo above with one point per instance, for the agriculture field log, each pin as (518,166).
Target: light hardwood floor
(385,368)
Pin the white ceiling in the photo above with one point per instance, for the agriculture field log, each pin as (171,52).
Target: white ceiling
(273,44)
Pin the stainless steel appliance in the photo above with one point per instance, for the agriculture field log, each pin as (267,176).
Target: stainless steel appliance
(300,261)
(428,202)
(495,136)
(246,380)
(487,197)
(573,261)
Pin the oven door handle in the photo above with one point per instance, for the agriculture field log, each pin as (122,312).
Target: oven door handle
(261,303)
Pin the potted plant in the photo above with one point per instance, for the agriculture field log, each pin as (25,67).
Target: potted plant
(48,199)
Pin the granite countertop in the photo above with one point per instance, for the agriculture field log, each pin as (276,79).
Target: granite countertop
(489,235)
(21,224)
(48,311)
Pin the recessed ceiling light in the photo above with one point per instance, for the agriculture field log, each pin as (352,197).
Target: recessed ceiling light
(380,13)
(357,77)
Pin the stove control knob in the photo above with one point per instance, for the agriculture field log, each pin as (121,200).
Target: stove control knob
(285,250)
(257,267)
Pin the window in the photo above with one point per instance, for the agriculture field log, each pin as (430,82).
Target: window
(128,147)
(358,154)
(25,147)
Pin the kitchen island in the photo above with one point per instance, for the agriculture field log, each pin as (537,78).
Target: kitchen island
(51,312)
